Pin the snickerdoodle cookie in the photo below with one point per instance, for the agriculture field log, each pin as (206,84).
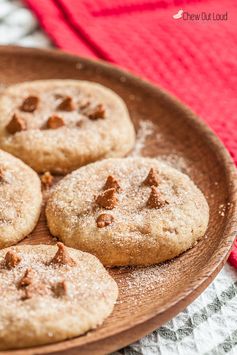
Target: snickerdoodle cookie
(60,125)
(51,293)
(134,211)
(20,199)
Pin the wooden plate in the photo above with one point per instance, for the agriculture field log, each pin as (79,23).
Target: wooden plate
(151,296)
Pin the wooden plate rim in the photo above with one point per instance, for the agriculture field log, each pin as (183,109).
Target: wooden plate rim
(214,264)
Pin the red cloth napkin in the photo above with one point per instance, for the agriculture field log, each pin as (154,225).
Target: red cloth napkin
(194,59)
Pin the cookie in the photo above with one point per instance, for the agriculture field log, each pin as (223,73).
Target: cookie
(20,199)
(51,293)
(134,211)
(60,125)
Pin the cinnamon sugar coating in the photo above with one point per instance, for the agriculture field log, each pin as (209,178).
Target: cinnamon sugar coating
(20,200)
(76,122)
(42,303)
(150,224)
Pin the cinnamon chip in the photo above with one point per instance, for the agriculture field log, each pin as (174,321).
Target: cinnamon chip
(1,175)
(27,279)
(27,294)
(58,96)
(98,112)
(16,124)
(32,290)
(66,104)
(55,122)
(12,259)
(104,220)
(30,104)
(62,256)
(111,182)
(107,199)
(84,105)
(152,178)
(155,200)
(60,289)
(47,179)
(79,123)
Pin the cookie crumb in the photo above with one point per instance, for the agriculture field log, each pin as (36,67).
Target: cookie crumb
(66,104)
(55,122)
(111,182)
(47,179)
(98,112)
(62,256)
(152,178)
(16,124)
(107,199)
(155,200)
(30,104)
(60,288)
(104,220)
(12,259)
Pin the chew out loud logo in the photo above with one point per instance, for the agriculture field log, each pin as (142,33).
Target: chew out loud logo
(200,16)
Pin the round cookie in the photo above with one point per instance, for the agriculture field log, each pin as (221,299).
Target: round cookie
(60,125)
(134,211)
(50,294)
(20,199)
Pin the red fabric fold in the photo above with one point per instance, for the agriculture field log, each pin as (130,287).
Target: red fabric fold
(196,60)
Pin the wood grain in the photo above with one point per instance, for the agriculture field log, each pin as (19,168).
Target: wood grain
(150,297)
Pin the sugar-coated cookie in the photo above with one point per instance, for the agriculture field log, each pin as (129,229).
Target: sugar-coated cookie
(60,125)
(134,211)
(51,293)
(20,199)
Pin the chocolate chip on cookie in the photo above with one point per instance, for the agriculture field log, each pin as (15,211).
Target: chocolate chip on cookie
(16,124)
(155,200)
(62,256)
(12,259)
(98,112)
(104,220)
(60,288)
(152,178)
(111,182)
(47,179)
(55,122)
(66,104)
(107,199)
(30,104)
